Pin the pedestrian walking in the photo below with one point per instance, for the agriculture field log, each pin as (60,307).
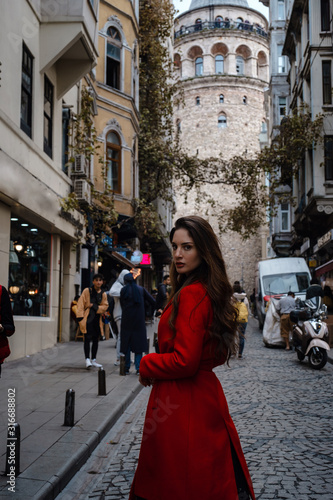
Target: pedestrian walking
(162,294)
(115,293)
(190,446)
(242,306)
(133,321)
(90,307)
(7,327)
(284,307)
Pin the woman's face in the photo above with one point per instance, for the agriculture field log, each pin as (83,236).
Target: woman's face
(184,252)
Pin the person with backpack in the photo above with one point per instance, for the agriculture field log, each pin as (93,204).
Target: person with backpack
(92,304)
(242,305)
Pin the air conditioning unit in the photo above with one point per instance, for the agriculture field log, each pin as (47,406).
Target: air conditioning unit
(82,190)
(80,165)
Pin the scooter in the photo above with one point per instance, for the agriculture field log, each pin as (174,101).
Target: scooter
(310,332)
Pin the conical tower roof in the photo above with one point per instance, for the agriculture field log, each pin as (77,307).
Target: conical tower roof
(197,4)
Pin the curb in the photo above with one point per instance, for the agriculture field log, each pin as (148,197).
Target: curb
(71,451)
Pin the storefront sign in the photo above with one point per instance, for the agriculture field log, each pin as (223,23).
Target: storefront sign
(326,238)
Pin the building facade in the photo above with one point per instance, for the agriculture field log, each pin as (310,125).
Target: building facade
(222,55)
(308,45)
(48,48)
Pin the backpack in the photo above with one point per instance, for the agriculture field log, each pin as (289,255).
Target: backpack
(243,313)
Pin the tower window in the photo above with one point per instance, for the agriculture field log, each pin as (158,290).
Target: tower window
(197,101)
(244,99)
(239,65)
(222,121)
(198,66)
(219,64)
(221,99)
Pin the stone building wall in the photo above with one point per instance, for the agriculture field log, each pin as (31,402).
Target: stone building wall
(242,105)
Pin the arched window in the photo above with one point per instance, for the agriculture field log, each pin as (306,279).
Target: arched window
(244,99)
(239,65)
(222,121)
(197,101)
(218,21)
(198,66)
(219,64)
(221,98)
(113,159)
(113,58)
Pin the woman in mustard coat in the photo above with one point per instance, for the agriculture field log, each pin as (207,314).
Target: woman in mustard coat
(190,448)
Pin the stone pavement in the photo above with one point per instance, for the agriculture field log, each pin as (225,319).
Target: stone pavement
(282,410)
(50,452)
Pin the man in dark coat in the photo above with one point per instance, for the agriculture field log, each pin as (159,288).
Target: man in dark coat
(133,321)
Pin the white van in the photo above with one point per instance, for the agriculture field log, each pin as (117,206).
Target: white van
(276,277)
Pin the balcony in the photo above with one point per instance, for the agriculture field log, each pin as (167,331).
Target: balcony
(68,39)
(220,25)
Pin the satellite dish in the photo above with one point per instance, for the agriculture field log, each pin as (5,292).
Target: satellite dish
(136,257)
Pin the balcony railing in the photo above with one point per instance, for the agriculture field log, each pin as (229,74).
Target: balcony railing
(225,25)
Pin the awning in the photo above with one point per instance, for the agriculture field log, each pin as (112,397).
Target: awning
(116,256)
(324,268)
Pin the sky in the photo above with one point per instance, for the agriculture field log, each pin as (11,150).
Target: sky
(183,5)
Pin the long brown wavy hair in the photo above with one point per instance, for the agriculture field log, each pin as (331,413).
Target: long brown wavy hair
(212,274)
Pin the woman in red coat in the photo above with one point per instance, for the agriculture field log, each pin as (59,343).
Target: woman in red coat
(190,448)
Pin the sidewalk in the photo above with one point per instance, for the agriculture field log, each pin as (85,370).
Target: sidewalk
(50,452)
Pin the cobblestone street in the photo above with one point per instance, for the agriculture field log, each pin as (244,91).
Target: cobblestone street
(282,410)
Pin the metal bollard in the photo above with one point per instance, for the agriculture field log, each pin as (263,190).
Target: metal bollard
(13,451)
(122,366)
(148,345)
(69,408)
(101,382)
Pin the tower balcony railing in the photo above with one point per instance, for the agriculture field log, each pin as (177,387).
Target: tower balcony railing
(224,25)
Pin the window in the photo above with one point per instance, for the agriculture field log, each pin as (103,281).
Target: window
(113,53)
(281,60)
(239,65)
(328,159)
(244,99)
(65,139)
(29,280)
(113,158)
(222,121)
(198,25)
(198,66)
(26,91)
(327,82)
(197,101)
(284,217)
(219,62)
(263,127)
(221,98)
(282,108)
(281,10)
(48,116)
(178,126)
(325,15)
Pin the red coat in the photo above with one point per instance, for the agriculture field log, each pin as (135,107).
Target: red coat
(185,452)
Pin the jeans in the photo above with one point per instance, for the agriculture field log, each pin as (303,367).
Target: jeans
(241,333)
(137,359)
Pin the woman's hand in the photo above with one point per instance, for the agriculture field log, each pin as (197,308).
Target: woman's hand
(146,382)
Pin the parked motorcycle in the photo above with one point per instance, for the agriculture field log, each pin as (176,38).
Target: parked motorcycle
(310,332)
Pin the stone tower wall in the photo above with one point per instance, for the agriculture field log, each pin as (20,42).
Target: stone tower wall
(243,107)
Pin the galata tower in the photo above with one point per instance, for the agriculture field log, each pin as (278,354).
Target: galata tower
(221,53)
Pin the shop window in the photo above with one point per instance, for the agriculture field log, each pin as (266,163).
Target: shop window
(48,116)
(327,82)
(29,281)
(219,64)
(198,66)
(113,156)
(113,58)
(328,159)
(26,91)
